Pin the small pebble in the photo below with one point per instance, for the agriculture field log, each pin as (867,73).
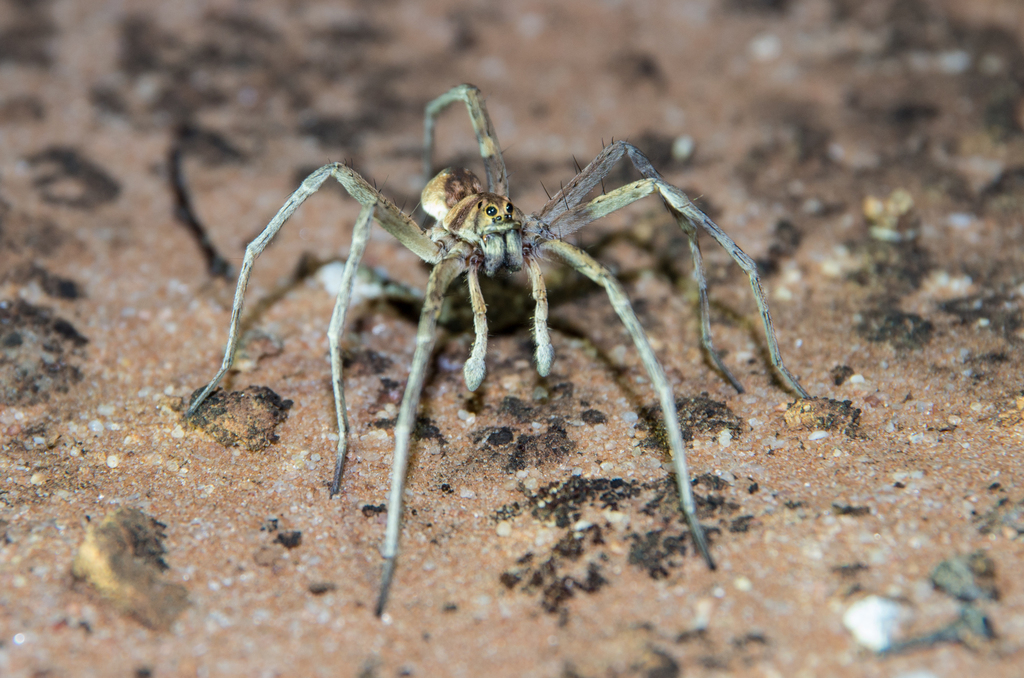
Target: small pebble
(112,461)
(682,148)
(818,435)
(504,529)
(873,622)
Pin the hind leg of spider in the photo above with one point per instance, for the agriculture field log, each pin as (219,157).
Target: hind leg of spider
(565,213)
(490,151)
(588,266)
(440,278)
(582,214)
(360,234)
(705,310)
(386,214)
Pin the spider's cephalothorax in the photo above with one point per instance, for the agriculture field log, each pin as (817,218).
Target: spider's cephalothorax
(478,227)
(488,221)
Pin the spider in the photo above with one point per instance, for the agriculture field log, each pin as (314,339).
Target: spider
(478,229)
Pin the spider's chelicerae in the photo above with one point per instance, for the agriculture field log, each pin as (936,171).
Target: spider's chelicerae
(479,229)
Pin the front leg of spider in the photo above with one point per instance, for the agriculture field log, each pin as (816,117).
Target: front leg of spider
(481,230)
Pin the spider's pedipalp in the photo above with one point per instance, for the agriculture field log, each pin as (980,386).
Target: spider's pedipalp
(545,352)
(476,367)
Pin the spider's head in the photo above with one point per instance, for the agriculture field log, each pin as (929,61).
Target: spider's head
(493,224)
(488,221)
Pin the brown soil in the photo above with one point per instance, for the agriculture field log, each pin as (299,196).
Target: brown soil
(541,534)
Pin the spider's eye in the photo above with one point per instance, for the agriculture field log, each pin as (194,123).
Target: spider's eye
(508,208)
(491,210)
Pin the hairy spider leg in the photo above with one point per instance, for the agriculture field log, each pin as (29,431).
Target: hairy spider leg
(384,213)
(564,215)
(360,234)
(490,151)
(441,277)
(588,266)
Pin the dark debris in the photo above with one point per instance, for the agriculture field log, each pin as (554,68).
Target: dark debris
(248,418)
(840,373)
(700,414)
(36,353)
(65,177)
(906,331)
(968,578)
(824,414)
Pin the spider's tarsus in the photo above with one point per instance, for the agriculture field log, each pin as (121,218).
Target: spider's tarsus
(336,481)
(726,372)
(702,545)
(545,358)
(385,585)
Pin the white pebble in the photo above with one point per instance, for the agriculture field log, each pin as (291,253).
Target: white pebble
(818,435)
(178,432)
(330,275)
(682,148)
(112,461)
(960,220)
(765,47)
(725,437)
(873,622)
(504,529)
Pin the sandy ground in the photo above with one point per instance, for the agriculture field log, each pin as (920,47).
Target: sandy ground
(541,537)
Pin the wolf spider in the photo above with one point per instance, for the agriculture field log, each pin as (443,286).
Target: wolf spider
(482,229)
